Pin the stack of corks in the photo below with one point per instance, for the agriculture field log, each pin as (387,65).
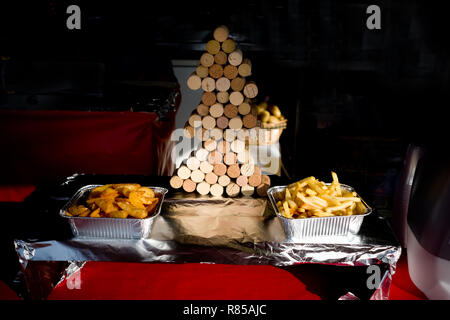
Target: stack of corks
(223,121)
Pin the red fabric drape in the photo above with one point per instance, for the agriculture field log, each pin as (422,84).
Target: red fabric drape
(40,146)
(118,280)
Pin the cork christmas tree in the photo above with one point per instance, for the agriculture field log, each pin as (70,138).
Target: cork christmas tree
(223,121)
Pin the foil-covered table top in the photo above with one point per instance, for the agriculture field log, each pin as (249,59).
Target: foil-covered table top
(203,229)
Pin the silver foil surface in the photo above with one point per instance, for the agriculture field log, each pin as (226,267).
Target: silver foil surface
(244,231)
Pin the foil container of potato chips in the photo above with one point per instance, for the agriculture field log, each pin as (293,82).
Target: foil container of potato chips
(110,227)
(309,229)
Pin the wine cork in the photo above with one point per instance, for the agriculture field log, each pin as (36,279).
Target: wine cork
(229,158)
(244,108)
(254,180)
(242,181)
(189,132)
(265,179)
(211,178)
(244,157)
(220,58)
(208,98)
(232,189)
(201,154)
(236,98)
(216,110)
(203,188)
(195,120)
(220,169)
(197,176)
(224,180)
(202,110)
(229,135)
(183,172)
(189,185)
(235,57)
(253,134)
(216,190)
(230,111)
(230,72)
(235,123)
(237,146)
(215,157)
(202,134)
(202,71)
(234,171)
(261,190)
(210,145)
(249,121)
(237,84)
(206,167)
(223,84)
(216,71)
(207,60)
(208,122)
(213,47)
(247,190)
(176,182)
(247,169)
(193,163)
(257,171)
(223,146)
(243,134)
(264,186)
(216,134)
(250,90)
(228,46)
(194,82)
(221,33)
(245,68)
(222,96)
(208,84)
(222,122)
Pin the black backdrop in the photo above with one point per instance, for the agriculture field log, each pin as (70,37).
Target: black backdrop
(355,98)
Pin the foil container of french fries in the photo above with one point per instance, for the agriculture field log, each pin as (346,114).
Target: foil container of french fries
(310,209)
(110,226)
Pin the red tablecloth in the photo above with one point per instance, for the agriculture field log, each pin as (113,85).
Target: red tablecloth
(114,280)
(41,146)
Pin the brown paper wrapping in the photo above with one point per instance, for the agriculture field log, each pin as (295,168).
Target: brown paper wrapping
(221,221)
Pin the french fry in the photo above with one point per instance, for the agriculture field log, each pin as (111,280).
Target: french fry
(310,197)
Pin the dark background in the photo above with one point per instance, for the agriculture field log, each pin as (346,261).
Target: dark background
(355,98)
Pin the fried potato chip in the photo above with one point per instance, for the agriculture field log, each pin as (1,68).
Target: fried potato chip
(98,190)
(118,201)
(109,193)
(125,206)
(147,192)
(122,214)
(138,213)
(79,210)
(136,199)
(126,188)
(151,208)
(85,213)
(106,205)
(95,213)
